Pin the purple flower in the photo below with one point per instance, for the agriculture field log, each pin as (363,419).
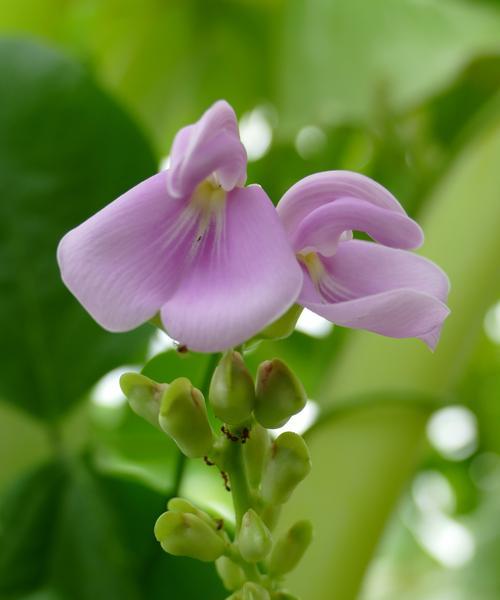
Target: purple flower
(381,286)
(190,243)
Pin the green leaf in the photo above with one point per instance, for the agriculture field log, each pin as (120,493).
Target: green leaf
(90,559)
(170,365)
(27,512)
(130,448)
(66,150)
(186,578)
(348,59)
(167,61)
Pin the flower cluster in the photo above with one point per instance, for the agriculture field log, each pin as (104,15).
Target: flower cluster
(217,263)
(261,473)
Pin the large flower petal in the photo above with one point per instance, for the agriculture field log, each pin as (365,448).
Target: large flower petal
(124,262)
(243,277)
(210,146)
(322,188)
(322,229)
(391,292)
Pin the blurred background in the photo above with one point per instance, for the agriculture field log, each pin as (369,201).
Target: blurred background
(405,492)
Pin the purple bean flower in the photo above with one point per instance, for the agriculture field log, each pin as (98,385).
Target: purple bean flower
(380,286)
(190,244)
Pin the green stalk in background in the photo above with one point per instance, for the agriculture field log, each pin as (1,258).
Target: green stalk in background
(362,458)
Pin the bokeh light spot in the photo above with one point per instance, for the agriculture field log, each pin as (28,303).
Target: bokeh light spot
(256,133)
(452,431)
(312,324)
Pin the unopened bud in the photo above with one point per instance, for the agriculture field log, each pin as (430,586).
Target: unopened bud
(183,416)
(254,539)
(250,591)
(255,452)
(288,465)
(279,394)
(289,549)
(232,393)
(144,395)
(184,506)
(185,534)
(231,574)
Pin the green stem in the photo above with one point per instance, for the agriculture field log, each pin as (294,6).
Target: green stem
(240,490)
(251,571)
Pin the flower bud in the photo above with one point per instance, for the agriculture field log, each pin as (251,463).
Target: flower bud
(254,539)
(143,395)
(287,466)
(231,574)
(232,393)
(185,534)
(184,506)
(250,591)
(279,394)
(290,548)
(283,596)
(255,452)
(183,416)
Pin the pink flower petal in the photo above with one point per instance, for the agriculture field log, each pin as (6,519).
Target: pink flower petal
(322,188)
(243,277)
(391,292)
(124,262)
(210,146)
(322,229)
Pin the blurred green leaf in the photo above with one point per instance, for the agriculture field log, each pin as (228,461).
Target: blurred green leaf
(128,447)
(66,149)
(160,57)
(27,522)
(350,59)
(169,365)
(90,560)
(175,577)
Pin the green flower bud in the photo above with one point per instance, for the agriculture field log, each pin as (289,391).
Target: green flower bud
(255,451)
(290,548)
(144,395)
(279,394)
(254,539)
(283,327)
(250,591)
(183,415)
(283,596)
(231,574)
(288,465)
(232,393)
(184,506)
(185,534)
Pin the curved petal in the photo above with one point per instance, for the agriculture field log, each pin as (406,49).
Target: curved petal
(212,145)
(243,278)
(391,292)
(316,190)
(321,230)
(124,262)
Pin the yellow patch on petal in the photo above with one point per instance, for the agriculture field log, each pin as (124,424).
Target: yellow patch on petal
(314,265)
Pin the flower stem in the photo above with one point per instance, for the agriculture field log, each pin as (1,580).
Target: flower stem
(240,489)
